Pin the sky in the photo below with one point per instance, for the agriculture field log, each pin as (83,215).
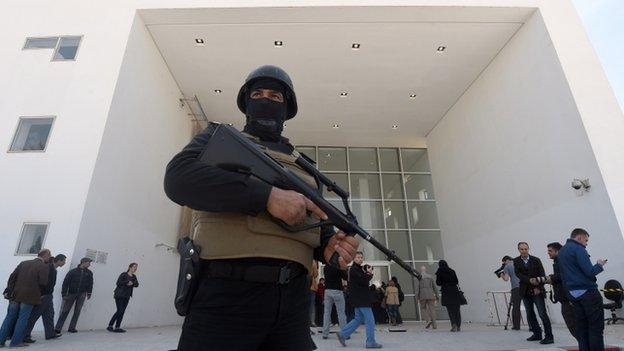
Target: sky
(604,23)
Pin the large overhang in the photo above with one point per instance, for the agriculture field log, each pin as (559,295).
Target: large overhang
(410,64)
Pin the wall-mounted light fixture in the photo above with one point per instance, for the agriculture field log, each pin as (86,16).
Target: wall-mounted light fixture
(581,186)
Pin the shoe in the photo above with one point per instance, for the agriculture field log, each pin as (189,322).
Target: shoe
(374,346)
(19,345)
(29,340)
(434,326)
(515,328)
(325,337)
(110,328)
(57,331)
(454,328)
(119,330)
(341,339)
(547,341)
(535,337)
(56,336)
(72,331)
(428,325)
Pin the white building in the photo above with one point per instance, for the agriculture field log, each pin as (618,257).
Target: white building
(507,97)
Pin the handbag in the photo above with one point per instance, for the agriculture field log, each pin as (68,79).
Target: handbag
(462,297)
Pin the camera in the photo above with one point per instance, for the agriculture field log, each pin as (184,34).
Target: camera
(500,271)
(576,184)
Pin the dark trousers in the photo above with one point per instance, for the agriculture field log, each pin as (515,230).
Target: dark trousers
(589,321)
(121,303)
(399,319)
(567,311)
(540,303)
(238,315)
(68,303)
(516,314)
(454,315)
(45,310)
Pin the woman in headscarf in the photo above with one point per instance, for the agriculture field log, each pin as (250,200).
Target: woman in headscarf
(451,296)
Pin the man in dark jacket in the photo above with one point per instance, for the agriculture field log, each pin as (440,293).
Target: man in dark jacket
(360,297)
(46,308)
(528,268)
(560,293)
(77,286)
(579,277)
(24,292)
(333,296)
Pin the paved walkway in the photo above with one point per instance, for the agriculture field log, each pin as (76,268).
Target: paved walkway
(477,337)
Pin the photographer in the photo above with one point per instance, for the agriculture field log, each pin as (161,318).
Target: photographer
(560,294)
(360,297)
(507,273)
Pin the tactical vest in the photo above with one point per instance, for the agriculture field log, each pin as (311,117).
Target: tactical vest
(228,235)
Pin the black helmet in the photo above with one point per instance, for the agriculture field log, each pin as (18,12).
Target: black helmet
(276,73)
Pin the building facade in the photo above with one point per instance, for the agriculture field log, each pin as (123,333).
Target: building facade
(457,126)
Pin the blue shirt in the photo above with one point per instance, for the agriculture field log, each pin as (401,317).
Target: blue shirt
(577,272)
(511,272)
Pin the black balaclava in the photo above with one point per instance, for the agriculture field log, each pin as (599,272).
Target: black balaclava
(265,117)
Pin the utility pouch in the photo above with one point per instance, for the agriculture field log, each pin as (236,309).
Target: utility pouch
(188,275)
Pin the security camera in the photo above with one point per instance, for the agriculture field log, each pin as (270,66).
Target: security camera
(577,184)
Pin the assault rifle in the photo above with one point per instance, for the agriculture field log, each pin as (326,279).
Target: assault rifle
(232,151)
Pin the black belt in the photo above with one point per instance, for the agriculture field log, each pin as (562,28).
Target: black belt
(254,273)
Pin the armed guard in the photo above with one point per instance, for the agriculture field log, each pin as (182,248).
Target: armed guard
(244,282)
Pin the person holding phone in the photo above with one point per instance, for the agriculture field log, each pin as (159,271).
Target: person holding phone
(579,278)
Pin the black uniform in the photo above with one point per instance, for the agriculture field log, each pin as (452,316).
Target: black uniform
(230,312)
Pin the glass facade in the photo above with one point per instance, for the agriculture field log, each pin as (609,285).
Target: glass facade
(393,198)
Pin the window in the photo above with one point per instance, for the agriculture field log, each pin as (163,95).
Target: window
(32,134)
(32,238)
(41,43)
(393,199)
(65,48)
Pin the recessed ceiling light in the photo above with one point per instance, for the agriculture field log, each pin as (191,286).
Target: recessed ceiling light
(441,48)
(199,42)
(335,126)
(230,124)
(355,46)
(394,126)
(412,96)
(218,91)
(278,43)
(344,94)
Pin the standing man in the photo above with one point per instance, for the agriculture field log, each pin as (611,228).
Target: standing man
(528,268)
(361,298)
(253,289)
(427,295)
(333,296)
(24,292)
(579,278)
(560,293)
(77,287)
(509,274)
(46,308)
